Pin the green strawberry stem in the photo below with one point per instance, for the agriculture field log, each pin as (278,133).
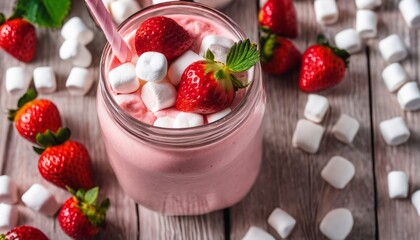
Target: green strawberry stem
(2,18)
(268,43)
(341,53)
(29,96)
(2,237)
(49,139)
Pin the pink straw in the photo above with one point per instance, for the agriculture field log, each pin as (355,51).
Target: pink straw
(118,45)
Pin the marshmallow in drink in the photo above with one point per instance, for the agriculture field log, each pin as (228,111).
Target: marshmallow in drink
(79,81)
(394,76)
(394,131)
(162,1)
(186,120)
(282,222)
(122,9)
(219,45)
(158,95)
(177,68)
(307,136)
(392,48)
(368,4)
(16,80)
(409,96)
(316,107)
(8,217)
(410,10)
(397,184)
(8,190)
(107,3)
(215,3)
(415,200)
(256,233)
(326,11)
(164,122)
(77,53)
(76,29)
(346,128)
(44,80)
(348,40)
(338,172)
(213,117)
(39,199)
(151,67)
(366,23)
(123,79)
(337,224)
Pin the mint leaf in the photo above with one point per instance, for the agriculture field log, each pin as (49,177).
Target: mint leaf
(242,56)
(44,13)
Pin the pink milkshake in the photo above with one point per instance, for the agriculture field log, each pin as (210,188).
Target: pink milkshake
(185,171)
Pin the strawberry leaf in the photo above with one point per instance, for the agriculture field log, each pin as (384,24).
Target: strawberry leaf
(38,150)
(268,44)
(209,56)
(91,196)
(104,205)
(27,97)
(242,56)
(2,18)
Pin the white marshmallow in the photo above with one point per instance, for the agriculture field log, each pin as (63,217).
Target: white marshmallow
(17,82)
(394,76)
(215,3)
(409,96)
(256,233)
(392,48)
(164,122)
(158,96)
(123,78)
(307,136)
(44,80)
(39,199)
(394,131)
(410,10)
(79,81)
(337,224)
(75,28)
(316,107)
(366,23)
(8,217)
(218,45)
(346,128)
(151,67)
(368,4)
(282,222)
(162,1)
(107,3)
(348,40)
(77,53)
(186,120)
(338,172)
(177,68)
(8,190)
(213,117)
(326,11)
(122,9)
(397,184)
(415,200)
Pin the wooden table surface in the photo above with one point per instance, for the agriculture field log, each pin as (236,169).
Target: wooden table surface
(289,178)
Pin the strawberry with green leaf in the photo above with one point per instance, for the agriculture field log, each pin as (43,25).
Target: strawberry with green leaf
(24,233)
(209,86)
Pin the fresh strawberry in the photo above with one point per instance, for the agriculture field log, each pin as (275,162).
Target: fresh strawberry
(323,66)
(63,162)
(34,116)
(279,16)
(208,86)
(80,216)
(18,38)
(24,233)
(279,55)
(164,35)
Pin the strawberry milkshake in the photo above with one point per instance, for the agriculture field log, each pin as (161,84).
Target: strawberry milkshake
(182,121)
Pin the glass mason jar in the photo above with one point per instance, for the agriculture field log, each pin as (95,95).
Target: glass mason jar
(184,171)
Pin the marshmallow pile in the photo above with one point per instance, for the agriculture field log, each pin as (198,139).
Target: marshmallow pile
(120,10)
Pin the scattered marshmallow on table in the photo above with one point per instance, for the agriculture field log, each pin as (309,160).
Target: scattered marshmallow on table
(394,76)
(256,233)
(348,40)
(282,222)
(79,81)
(77,53)
(338,172)
(409,96)
(213,117)
(75,28)
(316,107)
(410,10)
(17,81)
(368,4)
(307,136)
(151,66)
(8,190)
(394,131)
(44,80)
(123,79)
(337,224)
(186,120)
(158,95)
(326,11)
(8,217)
(415,200)
(392,48)
(122,9)
(164,122)
(39,199)
(346,128)
(219,45)
(397,184)
(177,68)
(366,23)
